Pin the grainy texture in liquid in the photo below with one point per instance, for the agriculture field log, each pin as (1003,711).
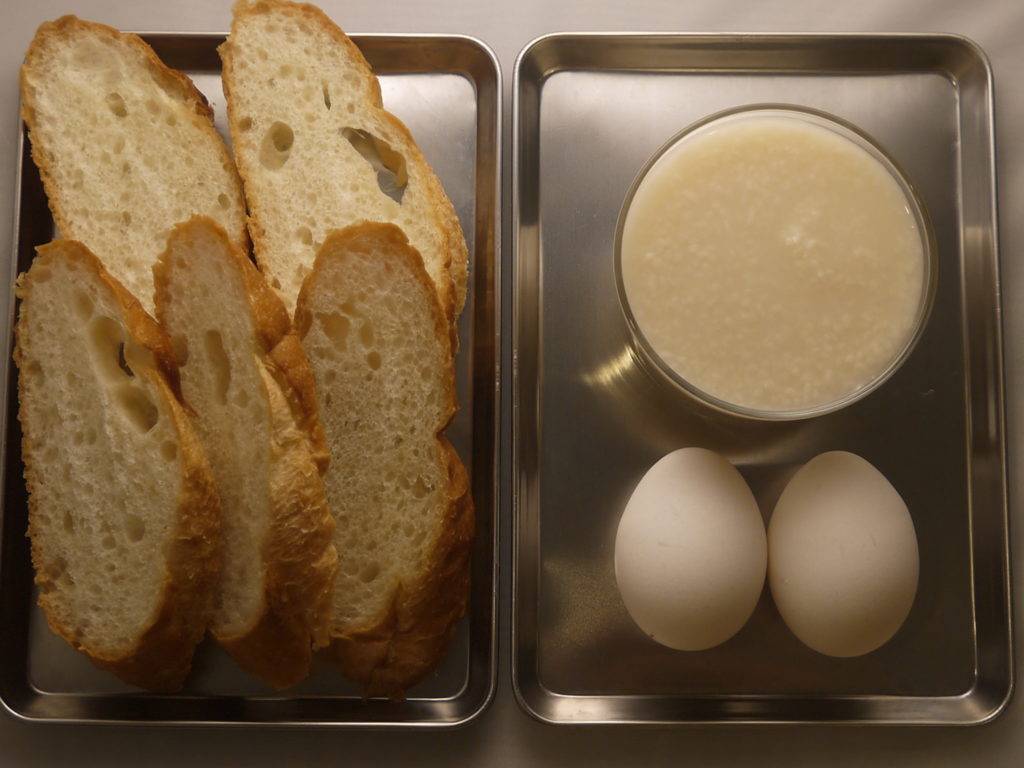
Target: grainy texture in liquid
(773,263)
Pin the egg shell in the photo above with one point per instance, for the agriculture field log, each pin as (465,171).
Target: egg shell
(842,556)
(691,551)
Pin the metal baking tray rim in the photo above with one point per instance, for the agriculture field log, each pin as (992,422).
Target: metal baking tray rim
(530,693)
(489,129)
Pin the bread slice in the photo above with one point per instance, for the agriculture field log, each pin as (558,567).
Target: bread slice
(378,343)
(123,516)
(125,146)
(244,374)
(310,135)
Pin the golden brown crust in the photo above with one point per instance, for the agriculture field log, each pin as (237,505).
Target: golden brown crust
(57,33)
(162,657)
(298,553)
(452,287)
(409,641)
(300,566)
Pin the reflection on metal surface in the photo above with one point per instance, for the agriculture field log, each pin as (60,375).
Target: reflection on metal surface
(611,373)
(590,415)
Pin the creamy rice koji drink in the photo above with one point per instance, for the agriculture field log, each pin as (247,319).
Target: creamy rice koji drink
(773,263)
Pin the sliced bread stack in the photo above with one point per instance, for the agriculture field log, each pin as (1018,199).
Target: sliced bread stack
(123,513)
(127,150)
(355,536)
(353,228)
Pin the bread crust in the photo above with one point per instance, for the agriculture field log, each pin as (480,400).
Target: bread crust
(299,558)
(408,641)
(409,638)
(161,658)
(451,287)
(48,158)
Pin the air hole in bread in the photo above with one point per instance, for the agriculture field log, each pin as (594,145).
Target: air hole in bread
(137,407)
(305,235)
(56,568)
(245,124)
(327,95)
(336,327)
(122,362)
(81,304)
(241,398)
(389,165)
(373,360)
(126,218)
(169,451)
(420,488)
(223,201)
(180,343)
(68,522)
(41,274)
(134,528)
(34,370)
(369,572)
(276,146)
(106,344)
(115,103)
(220,364)
(108,542)
(366,333)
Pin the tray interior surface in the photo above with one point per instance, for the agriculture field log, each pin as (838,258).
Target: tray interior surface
(591,419)
(447,91)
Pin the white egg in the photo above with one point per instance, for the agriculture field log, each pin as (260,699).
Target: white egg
(690,551)
(843,558)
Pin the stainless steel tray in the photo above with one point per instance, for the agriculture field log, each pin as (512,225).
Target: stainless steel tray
(588,421)
(447,90)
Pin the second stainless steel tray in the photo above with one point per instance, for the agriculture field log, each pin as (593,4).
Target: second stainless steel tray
(588,420)
(447,90)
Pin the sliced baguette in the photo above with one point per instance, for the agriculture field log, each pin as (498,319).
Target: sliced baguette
(296,88)
(125,146)
(378,343)
(123,515)
(245,375)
